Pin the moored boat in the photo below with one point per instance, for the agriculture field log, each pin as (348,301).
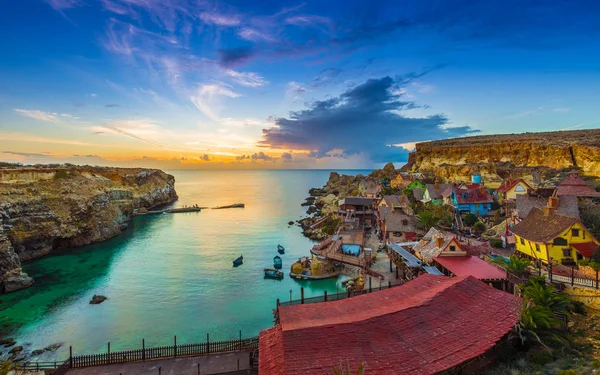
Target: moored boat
(273,273)
(238,261)
(277,264)
(280,249)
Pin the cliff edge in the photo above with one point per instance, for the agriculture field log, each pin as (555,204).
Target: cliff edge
(43,209)
(497,157)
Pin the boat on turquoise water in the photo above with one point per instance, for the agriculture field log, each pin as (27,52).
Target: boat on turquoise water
(271,273)
(277,264)
(280,249)
(238,261)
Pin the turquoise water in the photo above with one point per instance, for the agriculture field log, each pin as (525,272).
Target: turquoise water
(172,274)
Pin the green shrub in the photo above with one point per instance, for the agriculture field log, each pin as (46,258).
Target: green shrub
(61,173)
(567,372)
(539,355)
(496,243)
(469,219)
(479,227)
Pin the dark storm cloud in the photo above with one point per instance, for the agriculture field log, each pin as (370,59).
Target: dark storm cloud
(365,119)
(111,106)
(205,157)
(261,156)
(234,56)
(286,156)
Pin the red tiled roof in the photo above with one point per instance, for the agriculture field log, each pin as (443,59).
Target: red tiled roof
(574,185)
(471,266)
(509,184)
(473,196)
(417,328)
(585,248)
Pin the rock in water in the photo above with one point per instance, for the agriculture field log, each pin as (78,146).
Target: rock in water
(53,347)
(8,341)
(96,299)
(37,352)
(290,223)
(16,350)
(17,282)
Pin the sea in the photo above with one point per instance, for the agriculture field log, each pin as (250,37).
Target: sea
(171,275)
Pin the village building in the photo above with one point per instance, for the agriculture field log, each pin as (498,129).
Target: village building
(546,235)
(467,265)
(433,193)
(416,328)
(368,187)
(418,193)
(575,186)
(400,181)
(396,219)
(359,209)
(477,201)
(567,205)
(510,188)
(436,242)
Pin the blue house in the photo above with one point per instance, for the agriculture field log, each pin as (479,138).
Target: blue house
(477,201)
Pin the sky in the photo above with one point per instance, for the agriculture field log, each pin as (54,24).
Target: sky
(195,84)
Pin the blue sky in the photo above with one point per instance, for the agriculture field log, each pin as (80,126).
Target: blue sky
(267,84)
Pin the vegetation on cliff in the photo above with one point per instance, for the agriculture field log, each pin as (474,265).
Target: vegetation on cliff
(47,208)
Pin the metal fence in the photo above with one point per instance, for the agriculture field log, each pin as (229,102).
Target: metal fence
(334,297)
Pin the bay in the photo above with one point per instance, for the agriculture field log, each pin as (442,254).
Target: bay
(170,275)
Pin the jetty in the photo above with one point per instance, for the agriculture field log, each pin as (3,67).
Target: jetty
(235,205)
(168,211)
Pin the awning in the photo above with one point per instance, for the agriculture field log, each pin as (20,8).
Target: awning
(432,270)
(409,259)
(585,248)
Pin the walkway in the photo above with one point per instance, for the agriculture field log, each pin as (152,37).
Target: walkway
(212,364)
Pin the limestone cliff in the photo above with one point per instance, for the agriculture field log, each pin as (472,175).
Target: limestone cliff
(43,209)
(511,155)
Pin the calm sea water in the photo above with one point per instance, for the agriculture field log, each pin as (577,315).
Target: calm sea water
(172,274)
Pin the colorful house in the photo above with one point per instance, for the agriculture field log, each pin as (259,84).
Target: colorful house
(401,181)
(430,325)
(477,201)
(416,184)
(546,235)
(511,188)
(369,188)
(433,193)
(575,186)
(436,243)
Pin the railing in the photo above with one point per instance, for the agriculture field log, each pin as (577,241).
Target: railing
(39,366)
(579,281)
(334,297)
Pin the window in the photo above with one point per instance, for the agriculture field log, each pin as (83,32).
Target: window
(566,253)
(404,222)
(559,241)
(452,248)
(522,241)
(476,205)
(519,189)
(537,248)
(579,256)
(575,232)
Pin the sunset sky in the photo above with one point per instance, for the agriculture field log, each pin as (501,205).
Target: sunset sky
(269,84)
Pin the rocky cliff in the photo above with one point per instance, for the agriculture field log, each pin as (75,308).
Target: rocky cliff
(43,209)
(497,157)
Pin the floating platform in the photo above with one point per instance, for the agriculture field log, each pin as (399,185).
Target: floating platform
(169,211)
(235,205)
(300,276)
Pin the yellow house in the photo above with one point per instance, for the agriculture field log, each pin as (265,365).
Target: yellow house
(400,181)
(511,188)
(545,235)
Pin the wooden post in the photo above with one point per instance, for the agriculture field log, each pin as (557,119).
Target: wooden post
(240,339)
(109,352)
(302,295)
(278,303)
(159,370)
(175,346)
(389,283)
(550,269)
(391,265)
(198,368)
(596,279)
(396,272)
(143,349)
(572,275)
(370,288)
(207,344)
(70,356)
(325,293)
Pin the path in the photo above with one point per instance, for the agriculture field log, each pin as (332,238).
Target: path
(212,364)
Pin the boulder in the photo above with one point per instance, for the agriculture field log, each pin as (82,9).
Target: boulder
(37,352)
(96,299)
(17,282)
(7,341)
(16,350)
(290,222)
(53,347)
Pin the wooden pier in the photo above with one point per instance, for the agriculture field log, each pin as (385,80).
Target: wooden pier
(169,211)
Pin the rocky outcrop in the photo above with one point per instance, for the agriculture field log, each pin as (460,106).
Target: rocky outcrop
(43,209)
(97,299)
(497,157)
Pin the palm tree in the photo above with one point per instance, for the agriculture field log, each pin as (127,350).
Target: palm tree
(426,220)
(516,266)
(547,296)
(533,322)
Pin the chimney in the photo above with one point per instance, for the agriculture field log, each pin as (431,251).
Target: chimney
(437,183)
(439,241)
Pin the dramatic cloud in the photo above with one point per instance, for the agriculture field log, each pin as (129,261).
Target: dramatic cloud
(286,156)
(261,156)
(367,119)
(38,115)
(234,56)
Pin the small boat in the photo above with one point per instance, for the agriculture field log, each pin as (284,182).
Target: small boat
(280,249)
(273,273)
(277,262)
(238,261)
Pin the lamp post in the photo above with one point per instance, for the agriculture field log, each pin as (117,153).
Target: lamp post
(290,296)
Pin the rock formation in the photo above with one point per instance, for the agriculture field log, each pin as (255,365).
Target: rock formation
(43,209)
(496,157)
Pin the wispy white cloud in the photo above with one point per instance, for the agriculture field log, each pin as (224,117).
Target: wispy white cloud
(220,19)
(38,115)
(64,4)
(93,95)
(255,35)
(208,98)
(525,113)
(20,137)
(309,20)
(246,79)
(140,129)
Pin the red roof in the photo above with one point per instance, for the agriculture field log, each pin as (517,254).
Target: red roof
(416,328)
(471,266)
(585,248)
(509,184)
(479,195)
(574,185)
